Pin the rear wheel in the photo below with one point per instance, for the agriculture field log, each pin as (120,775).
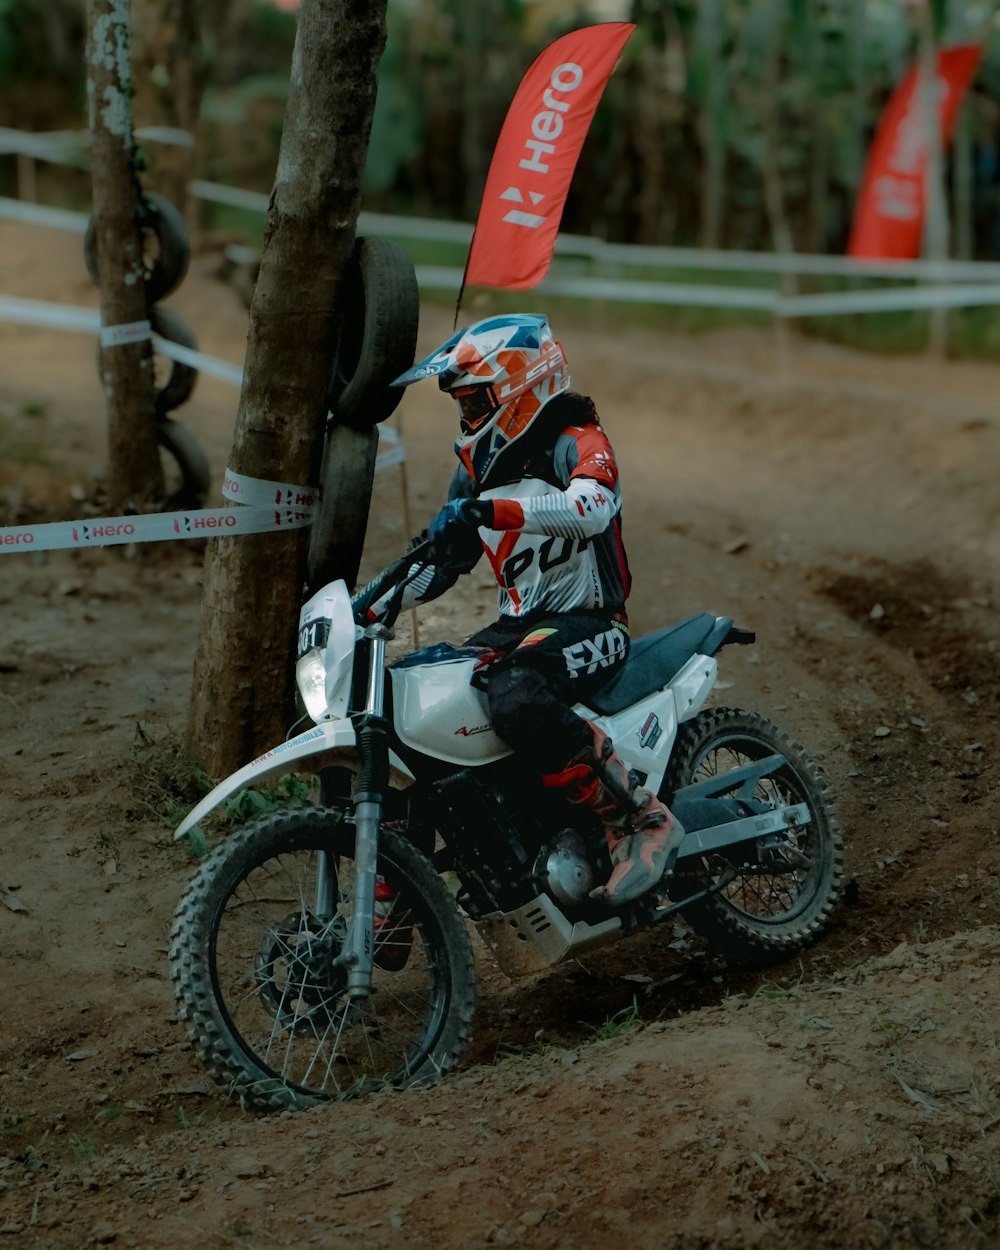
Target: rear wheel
(769,905)
(254,965)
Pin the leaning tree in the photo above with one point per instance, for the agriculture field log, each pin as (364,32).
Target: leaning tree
(243,690)
(134,476)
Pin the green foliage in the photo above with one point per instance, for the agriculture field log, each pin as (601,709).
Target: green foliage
(273,27)
(82,1147)
(18,41)
(39,43)
(288,791)
(399,124)
(196,842)
(108,1115)
(628,1020)
(189,1121)
(291,790)
(34,1158)
(710,95)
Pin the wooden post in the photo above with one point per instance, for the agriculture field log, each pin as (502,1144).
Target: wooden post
(134,475)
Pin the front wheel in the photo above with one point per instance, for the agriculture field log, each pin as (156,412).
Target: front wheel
(254,962)
(769,908)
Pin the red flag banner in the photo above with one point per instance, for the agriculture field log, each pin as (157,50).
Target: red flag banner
(536,154)
(889,216)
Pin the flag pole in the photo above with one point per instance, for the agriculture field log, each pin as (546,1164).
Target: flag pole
(465,274)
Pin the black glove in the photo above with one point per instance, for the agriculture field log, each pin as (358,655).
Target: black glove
(453,531)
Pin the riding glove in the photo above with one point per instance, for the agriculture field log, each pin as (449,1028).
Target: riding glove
(454,528)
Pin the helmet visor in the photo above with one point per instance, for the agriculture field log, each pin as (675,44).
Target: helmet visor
(476,404)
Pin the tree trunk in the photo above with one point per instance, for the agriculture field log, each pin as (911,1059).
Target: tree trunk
(134,478)
(774,186)
(470,21)
(858,112)
(936,229)
(169,75)
(650,102)
(962,30)
(243,676)
(711,77)
(964,181)
(809,37)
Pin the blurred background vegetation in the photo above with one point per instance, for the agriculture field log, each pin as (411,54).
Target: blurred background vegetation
(739,124)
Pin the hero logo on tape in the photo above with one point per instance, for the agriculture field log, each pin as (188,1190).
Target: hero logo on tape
(256,515)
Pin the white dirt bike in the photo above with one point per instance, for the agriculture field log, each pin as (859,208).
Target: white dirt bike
(323,951)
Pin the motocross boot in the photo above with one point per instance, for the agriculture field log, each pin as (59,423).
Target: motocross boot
(642,834)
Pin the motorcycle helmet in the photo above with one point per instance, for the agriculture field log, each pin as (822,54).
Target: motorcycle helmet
(501,372)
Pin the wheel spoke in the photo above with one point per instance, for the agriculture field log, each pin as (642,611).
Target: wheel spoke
(259,975)
(300,989)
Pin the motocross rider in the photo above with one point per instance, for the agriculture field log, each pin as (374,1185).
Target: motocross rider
(536,488)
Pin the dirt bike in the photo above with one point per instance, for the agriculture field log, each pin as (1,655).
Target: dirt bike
(323,951)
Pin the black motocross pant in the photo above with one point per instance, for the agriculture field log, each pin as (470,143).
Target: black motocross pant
(546,666)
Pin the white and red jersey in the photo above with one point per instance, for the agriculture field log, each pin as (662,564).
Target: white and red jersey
(556,545)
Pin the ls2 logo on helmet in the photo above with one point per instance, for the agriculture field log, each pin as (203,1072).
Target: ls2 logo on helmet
(546,127)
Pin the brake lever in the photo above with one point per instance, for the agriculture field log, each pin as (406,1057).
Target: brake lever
(414,562)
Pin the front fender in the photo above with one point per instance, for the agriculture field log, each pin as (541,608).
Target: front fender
(330,737)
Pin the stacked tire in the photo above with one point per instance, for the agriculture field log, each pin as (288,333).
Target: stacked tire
(376,342)
(166,257)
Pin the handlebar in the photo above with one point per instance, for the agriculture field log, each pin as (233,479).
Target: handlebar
(396,575)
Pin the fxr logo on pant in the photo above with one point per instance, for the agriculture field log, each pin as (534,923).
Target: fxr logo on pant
(593,653)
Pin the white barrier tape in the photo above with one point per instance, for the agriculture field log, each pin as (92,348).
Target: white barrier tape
(59,147)
(39,215)
(257,492)
(169,135)
(256,201)
(432,277)
(68,317)
(896,299)
(63,147)
(36,312)
(150,528)
(127,332)
(197,360)
(395,452)
(622,290)
(267,506)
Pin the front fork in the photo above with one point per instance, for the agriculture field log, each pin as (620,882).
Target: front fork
(369,790)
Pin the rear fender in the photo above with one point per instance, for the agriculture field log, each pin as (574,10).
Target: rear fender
(333,742)
(693,684)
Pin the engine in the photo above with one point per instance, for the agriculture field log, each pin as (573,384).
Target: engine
(498,826)
(566,872)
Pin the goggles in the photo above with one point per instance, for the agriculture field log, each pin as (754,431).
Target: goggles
(476,404)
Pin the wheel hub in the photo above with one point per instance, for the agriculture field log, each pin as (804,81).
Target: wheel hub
(298,979)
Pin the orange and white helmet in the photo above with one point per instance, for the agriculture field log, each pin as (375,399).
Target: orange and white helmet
(501,372)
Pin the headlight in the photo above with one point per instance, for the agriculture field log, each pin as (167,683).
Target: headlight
(325,663)
(310,674)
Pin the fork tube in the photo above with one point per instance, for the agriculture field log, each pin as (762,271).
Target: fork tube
(325,900)
(373,776)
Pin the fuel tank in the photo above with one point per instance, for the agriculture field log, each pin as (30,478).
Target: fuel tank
(436,709)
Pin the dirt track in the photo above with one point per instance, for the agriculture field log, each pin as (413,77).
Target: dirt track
(844,507)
